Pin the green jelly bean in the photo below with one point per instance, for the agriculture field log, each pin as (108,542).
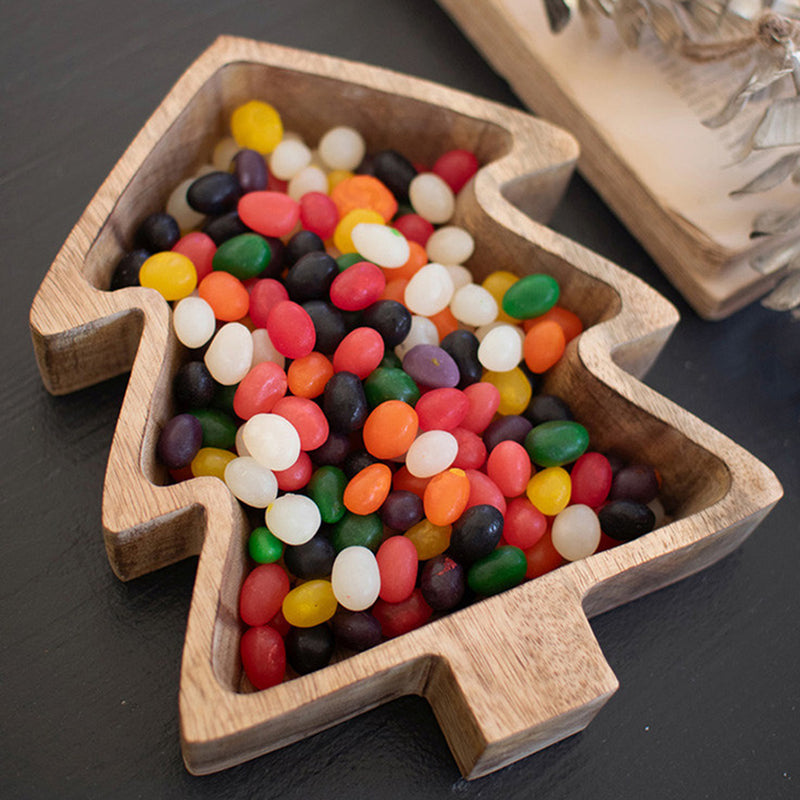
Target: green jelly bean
(326,489)
(531,296)
(557,442)
(390,383)
(264,547)
(502,569)
(219,428)
(390,359)
(346,260)
(244,256)
(223,398)
(357,529)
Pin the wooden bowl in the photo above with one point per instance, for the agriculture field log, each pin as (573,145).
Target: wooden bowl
(505,676)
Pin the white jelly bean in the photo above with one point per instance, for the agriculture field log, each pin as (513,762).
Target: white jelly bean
(450,245)
(240,446)
(272,441)
(264,350)
(576,532)
(480,332)
(293,518)
(431,452)
(381,244)
(473,305)
(224,151)
(501,349)
(178,207)
(230,354)
(251,482)
(355,578)
(429,291)
(460,275)
(194,322)
(309,179)
(422,331)
(431,197)
(288,158)
(342,148)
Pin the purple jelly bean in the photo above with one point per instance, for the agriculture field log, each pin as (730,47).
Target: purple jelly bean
(511,426)
(431,366)
(179,441)
(251,170)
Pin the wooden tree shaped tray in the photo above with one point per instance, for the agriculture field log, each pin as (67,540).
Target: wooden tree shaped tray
(505,676)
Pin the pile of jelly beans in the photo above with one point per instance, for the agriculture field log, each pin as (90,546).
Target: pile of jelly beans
(375,410)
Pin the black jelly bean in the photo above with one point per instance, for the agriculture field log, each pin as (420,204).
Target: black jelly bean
(193,386)
(126,273)
(391,319)
(356,461)
(462,347)
(510,427)
(309,649)
(401,510)
(300,244)
(547,408)
(214,193)
(314,559)
(442,583)
(626,519)
(157,232)
(333,451)
(394,170)
(310,278)
(225,226)
(637,482)
(344,402)
(357,630)
(475,534)
(250,170)
(328,325)
(179,441)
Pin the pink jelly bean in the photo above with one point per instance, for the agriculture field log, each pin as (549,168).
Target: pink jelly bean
(269,213)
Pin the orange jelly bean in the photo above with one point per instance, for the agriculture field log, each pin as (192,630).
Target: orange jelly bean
(544,345)
(446,496)
(367,489)
(364,191)
(569,321)
(308,375)
(390,429)
(417,259)
(226,295)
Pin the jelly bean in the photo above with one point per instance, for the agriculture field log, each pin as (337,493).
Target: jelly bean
(309,179)
(637,482)
(199,248)
(422,331)
(193,386)
(431,198)
(569,322)
(542,558)
(263,656)
(475,534)
(429,540)
(381,244)
(356,577)
(461,277)
(471,449)
(395,171)
(366,491)
(250,482)
(264,294)
(263,547)
(414,227)
(256,125)
(269,213)
(250,170)
(357,630)
(359,352)
(293,518)
(390,318)
(511,427)
(484,401)
(474,305)
(318,213)
(244,256)
(442,583)
(193,321)
(531,296)
(576,532)
(329,326)
(552,444)
(224,152)
(500,570)
(547,407)
(309,604)
(223,398)
(390,429)
(344,402)
(445,322)
(387,383)
(291,329)
(287,159)
(549,490)
(314,559)
(484,491)
(219,429)
(222,227)
(591,480)
(226,294)
(259,390)
(451,245)
(430,290)
(364,192)
(500,350)
(301,244)
(214,193)
(399,618)
(442,409)
(126,272)
(356,461)
(326,489)
(509,467)
(172,275)
(431,452)
(309,649)
(403,480)
(417,259)
(363,530)
(397,564)
(446,496)
(544,345)
(177,206)
(264,349)
(335,449)
(456,167)
(272,440)
(345,260)
(306,417)
(308,375)
(297,475)
(462,347)
(514,388)
(401,510)
(262,594)
(342,147)
(358,287)
(431,366)
(624,520)
(158,231)
(497,284)
(524,524)
(230,353)
(342,236)
(310,278)
(179,441)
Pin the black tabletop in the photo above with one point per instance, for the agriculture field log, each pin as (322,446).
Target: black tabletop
(709,698)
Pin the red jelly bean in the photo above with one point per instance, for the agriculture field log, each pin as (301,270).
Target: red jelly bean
(259,390)
(359,352)
(542,557)
(397,564)
(307,418)
(414,227)
(269,213)
(509,466)
(591,478)
(484,400)
(199,248)
(404,481)
(262,594)
(471,449)
(359,286)
(484,491)
(280,624)
(318,214)
(265,293)
(455,168)
(442,409)
(263,656)
(291,329)
(399,618)
(297,476)
(524,524)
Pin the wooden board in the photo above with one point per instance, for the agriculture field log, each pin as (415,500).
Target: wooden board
(506,676)
(623,136)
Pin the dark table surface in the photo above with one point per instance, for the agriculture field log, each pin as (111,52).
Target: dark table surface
(708,705)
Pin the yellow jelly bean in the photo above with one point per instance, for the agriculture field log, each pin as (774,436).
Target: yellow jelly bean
(211,461)
(336,176)
(514,387)
(311,603)
(497,283)
(173,275)
(550,490)
(342,236)
(257,125)
(429,539)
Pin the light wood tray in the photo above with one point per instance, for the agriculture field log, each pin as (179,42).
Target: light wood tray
(506,676)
